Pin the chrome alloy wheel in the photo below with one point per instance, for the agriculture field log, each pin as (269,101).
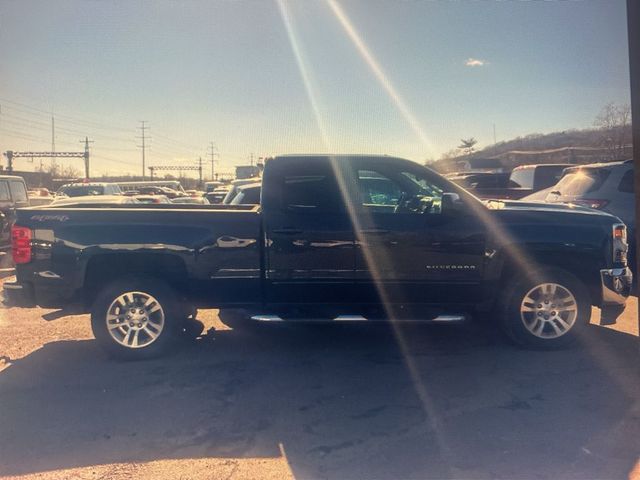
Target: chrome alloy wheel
(549,310)
(135,319)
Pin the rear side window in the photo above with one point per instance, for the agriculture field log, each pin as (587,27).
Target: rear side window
(582,181)
(18,192)
(521,178)
(252,196)
(82,190)
(4,192)
(311,192)
(547,176)
(626,183)
(311,187)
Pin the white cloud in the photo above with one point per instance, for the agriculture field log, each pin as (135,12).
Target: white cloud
(474,62)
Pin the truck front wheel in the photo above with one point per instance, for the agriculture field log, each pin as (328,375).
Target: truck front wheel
(136,318)
(545,309)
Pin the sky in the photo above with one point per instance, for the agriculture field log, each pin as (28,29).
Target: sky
(405,78)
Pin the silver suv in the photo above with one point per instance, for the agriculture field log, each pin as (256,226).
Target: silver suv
(604,186)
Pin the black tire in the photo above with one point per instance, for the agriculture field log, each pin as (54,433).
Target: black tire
(165,297)
(519,325)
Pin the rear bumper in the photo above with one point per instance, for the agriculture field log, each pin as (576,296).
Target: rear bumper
(18,295)
(28,295)
(616,287)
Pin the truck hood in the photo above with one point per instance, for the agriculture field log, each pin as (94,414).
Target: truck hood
(557,208)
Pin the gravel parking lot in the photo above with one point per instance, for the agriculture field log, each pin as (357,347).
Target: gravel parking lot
(318,401)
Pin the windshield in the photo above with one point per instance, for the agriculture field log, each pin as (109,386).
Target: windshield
(81,190)
(580,182)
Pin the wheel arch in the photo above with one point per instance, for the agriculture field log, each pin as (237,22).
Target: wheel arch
(577,262)
(104,268)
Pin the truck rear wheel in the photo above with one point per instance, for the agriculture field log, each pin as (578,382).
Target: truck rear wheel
(547,309)
(136,318)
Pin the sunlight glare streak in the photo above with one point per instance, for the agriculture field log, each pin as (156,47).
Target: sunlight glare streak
(379,73)
(304,71)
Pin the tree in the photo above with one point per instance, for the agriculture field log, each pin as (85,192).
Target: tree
(467,145)
(453,153)
(614,124)
(60,171)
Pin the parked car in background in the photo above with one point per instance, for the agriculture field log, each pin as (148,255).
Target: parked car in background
(39,196)
(158,190)
(13,194)
(5,247)
(152,198)
(212,186)
(247,194)
(85,189)
(602,186)
(233,190)
(217,196)
(170,184)
(479,182)
(191,200)
(96,200)
(532,178)
(522,181)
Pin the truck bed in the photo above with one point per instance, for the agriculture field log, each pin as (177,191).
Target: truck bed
(212,252)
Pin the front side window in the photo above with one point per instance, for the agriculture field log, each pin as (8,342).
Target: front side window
(18,192)
(398,192)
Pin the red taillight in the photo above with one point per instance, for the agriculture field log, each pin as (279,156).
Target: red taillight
(21,244)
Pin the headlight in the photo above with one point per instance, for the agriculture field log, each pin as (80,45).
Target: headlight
(620,246)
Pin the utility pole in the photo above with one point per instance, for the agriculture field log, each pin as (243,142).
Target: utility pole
(86,142)
(200,172)
(252,159)
(143,128)
(212,152)
(53,141)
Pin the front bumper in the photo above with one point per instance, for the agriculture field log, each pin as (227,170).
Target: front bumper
(616,287)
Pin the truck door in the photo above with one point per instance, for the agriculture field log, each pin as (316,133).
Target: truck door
(408,250)
(308,234)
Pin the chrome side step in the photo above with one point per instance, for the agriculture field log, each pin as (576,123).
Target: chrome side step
(350,318)
(360,318)
(449,318)
(267,318)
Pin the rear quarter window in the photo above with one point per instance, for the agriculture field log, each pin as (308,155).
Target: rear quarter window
(18,191)
(521,178)
(4,191)
(626,183)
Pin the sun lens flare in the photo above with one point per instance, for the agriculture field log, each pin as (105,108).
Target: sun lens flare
(380,75)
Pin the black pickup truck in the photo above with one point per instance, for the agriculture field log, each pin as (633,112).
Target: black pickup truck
(333,236)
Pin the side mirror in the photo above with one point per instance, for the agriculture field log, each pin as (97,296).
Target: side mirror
(451,202)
